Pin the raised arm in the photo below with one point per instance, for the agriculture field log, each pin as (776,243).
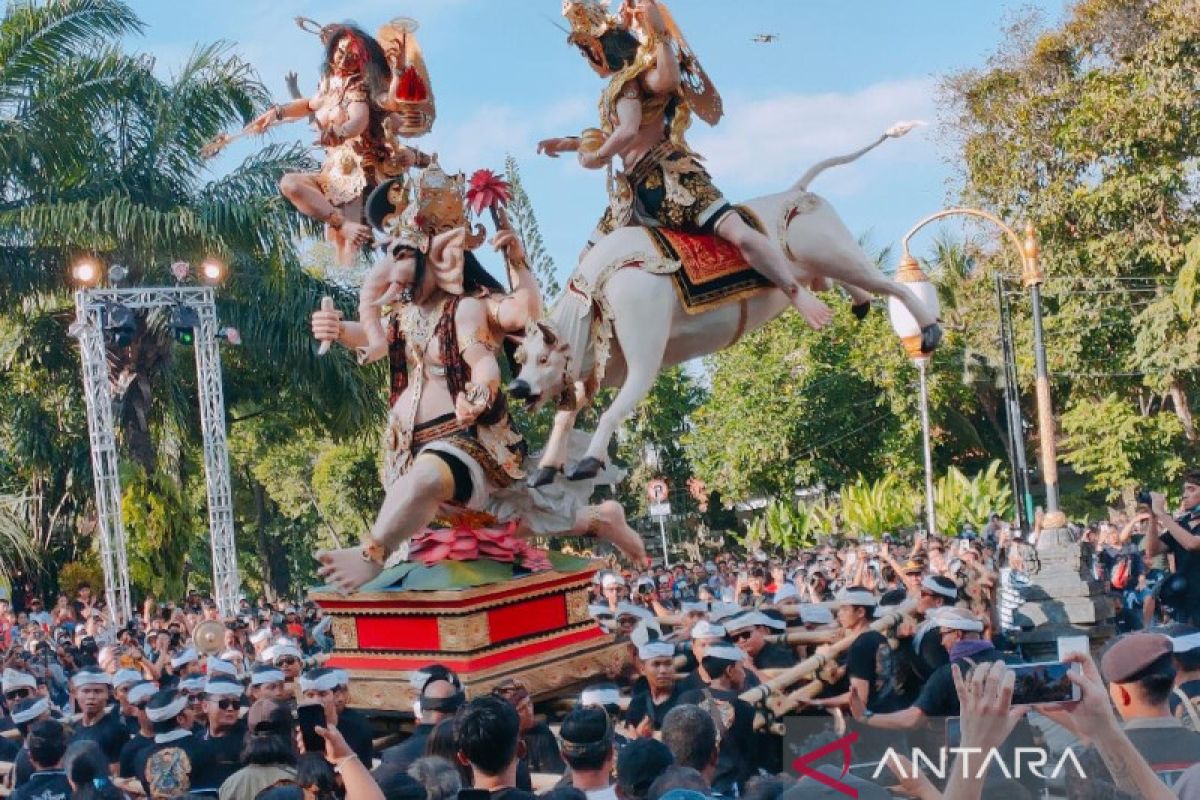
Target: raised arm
(1186,539)
(629,120)
(513,311)
(663,77)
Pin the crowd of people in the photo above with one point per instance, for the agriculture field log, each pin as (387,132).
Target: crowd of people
(736,666)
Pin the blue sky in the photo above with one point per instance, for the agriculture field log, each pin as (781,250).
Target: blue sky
(840,73)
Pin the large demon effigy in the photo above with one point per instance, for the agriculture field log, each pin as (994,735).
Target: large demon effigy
(673,271)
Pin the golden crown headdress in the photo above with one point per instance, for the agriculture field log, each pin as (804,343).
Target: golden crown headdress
(589,19)
(426,205)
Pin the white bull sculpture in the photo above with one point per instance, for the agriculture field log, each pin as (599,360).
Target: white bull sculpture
(620,321)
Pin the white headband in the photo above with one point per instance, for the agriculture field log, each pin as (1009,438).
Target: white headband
(283,650)
(222,687)
(217,666)
(725,652)
(706,630)
(33,712)
(653,650)
(89,678)
(186,657)
(193,683)
(169,711)
(17,680)
(343,677)
(856,597)
(600,697)
(260,677)
(126,677)
(949,592)
(142,691)
(325,683)
(814,614)
(260,635)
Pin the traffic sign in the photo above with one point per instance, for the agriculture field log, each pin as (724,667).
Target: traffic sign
(656,490)
(660,510)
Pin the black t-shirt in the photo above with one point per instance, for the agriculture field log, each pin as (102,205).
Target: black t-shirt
(870,658)
(1187,564)
(109,732)
(22,768)
(736,760)
(642,706)
(130,752)
(169,762)
(357,730)
(774,656)
(938,697)
(50,784)
(404,754)
(512,794)
(1192,690)
(218,757)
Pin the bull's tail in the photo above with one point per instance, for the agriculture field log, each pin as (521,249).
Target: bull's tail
(894,132)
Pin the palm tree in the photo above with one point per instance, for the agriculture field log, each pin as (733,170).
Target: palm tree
(100,156)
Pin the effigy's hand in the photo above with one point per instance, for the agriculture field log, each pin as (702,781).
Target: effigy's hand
(552,147)
(649,17)
(506,241)
(470,404)
(589,160)
(327,323)
(347,569)
(293,84)
(260,124)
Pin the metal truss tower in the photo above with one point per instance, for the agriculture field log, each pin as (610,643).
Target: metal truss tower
(90,307)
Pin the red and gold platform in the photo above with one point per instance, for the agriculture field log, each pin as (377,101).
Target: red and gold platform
(500,624)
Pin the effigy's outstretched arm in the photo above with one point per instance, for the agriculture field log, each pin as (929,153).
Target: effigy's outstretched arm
(513,312)
(379,288)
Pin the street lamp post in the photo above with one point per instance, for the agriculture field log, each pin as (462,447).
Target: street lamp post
(909,330)
(1060,598)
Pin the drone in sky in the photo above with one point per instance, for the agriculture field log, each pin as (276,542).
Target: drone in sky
(766,38)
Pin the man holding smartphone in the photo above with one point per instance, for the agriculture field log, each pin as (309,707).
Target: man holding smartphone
(1180,536)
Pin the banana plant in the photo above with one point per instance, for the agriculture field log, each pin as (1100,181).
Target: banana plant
(873,509)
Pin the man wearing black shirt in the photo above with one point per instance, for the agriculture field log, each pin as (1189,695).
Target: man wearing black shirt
(1180,537)
(487,734)
(47,743)
(732,716)
(170,763)
(221,743)
(647,709)
(138,696)
(1185,698)
(100,722)
(25,714)
(748,631)
(354,725)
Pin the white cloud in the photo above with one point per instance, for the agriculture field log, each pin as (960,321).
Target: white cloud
(763,144)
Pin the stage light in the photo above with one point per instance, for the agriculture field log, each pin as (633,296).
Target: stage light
(212,271)
(85,271)
(120,324)
(183,324)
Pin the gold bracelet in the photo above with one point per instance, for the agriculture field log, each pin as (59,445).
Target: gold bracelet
(375,552)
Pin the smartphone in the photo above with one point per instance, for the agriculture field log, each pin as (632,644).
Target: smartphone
(1072,644)
(953,731)
(310,716)
(1043,682)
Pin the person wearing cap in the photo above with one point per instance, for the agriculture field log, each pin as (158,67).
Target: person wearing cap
(47,744)
(220,752)
(92,690)
(173,757)
(639,764)
(1185,697)
(869,662)
(269,755)
(25,714)
(289,658)
(733,717)
(749,631)
(352,723)
(628,616)
(487,738)
(935,592)
(439,696)
(647,708)
(1140,675)
(587,746)
(608,697)
(267,683)
(138,697)
(122,679)
(261,640)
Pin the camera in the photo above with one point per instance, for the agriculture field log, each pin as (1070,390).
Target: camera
(1143,497)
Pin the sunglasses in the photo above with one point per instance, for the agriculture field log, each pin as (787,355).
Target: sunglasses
(287,661)
(742,636)
(141,706)
(16,694)
(228,703)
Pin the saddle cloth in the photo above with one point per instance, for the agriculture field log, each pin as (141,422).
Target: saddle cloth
(712,271)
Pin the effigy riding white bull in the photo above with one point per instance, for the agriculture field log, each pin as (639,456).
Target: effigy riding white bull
(620,321)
